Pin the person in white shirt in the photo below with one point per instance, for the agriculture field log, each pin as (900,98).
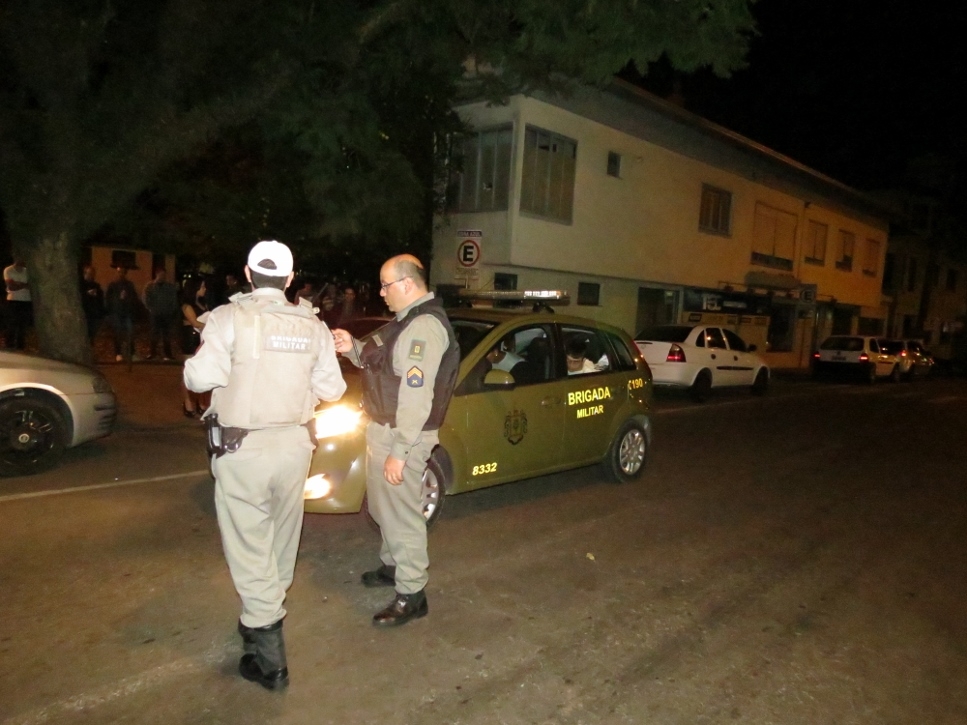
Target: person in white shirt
(19,304)
(576,351)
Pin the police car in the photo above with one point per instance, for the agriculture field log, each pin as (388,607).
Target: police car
(520,409)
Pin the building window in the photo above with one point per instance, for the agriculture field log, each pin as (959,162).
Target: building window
(124,258)
(951,280)
(773,237)
(589,293)
(715,215)
(911,274)
(815,243)
(505,281)
(847,245)
(483,182)
(889,270)
(547,182)
(871,264)
(614,164)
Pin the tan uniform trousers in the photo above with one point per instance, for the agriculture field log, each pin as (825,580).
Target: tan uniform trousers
(399,509)
(259,500)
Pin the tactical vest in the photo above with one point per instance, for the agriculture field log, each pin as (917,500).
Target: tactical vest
(381,385)
(276,348)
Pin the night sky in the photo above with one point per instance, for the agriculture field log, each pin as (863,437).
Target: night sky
(852,88)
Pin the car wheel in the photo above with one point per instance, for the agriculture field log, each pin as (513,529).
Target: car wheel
(434,490)
(433,493)
(702,387)
(895,374)
(761,384)
(33,435)
(628,451)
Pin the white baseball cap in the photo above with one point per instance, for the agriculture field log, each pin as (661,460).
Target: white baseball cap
(270,258)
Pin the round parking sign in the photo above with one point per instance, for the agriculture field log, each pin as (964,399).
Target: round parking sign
(468,253)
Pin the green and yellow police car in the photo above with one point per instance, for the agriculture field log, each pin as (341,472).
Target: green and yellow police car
(536,393)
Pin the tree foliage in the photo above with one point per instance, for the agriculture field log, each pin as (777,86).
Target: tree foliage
(312,117)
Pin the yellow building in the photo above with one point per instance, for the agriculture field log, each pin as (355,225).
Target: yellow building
(647,213)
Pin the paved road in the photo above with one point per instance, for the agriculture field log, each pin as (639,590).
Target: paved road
(795,559)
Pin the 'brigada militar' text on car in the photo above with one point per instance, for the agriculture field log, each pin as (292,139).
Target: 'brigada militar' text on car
(516,412)
(700,358)
(47,406)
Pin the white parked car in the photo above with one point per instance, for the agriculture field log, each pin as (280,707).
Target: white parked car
(47,406)
(861,356)
(700,358)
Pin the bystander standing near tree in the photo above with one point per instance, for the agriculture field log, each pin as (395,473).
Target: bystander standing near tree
(161,301)
(19,304)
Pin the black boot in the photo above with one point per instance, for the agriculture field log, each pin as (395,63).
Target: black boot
(267,665)
(402,609)
(248,637)
(385,576)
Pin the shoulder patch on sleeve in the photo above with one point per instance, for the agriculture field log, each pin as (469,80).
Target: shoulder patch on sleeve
(414,377)
(416,349)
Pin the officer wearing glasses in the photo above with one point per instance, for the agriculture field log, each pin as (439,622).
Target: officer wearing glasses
(409,371)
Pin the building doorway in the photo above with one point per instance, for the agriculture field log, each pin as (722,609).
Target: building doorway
(656,307)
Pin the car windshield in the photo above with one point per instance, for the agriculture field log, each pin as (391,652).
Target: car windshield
(665,333)
(469,333)
(847,344)
(892,346)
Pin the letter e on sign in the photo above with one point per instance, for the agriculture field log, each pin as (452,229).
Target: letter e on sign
(468,253)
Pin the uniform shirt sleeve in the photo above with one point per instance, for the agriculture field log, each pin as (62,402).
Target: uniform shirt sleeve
(416,359)
(210,366)
(327,380)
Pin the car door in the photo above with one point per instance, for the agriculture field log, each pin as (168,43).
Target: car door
(884,361)
(515,431)
(741,361)
(591,398)
(718,357)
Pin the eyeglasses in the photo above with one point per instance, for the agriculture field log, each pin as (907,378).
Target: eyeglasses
(384,285)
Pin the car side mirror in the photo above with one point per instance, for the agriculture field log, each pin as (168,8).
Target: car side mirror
(499,379)
(752,348)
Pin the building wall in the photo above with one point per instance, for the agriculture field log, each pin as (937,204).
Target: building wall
(140,273)
(946,308)
(642,230)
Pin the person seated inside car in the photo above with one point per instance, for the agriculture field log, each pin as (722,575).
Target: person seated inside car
(576,351)
(502,355)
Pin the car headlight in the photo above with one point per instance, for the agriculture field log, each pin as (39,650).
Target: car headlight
(337,420)
(316,487)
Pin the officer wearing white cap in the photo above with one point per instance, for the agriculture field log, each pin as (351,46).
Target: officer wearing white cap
(409,370)
(267,363)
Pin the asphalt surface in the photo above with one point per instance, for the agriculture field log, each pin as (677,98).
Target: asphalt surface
(794,559)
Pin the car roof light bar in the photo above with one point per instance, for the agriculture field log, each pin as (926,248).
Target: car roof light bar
(555,296)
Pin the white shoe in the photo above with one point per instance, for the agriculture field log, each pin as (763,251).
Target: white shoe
(118,358)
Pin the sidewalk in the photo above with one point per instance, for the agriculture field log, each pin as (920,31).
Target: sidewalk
(149,394)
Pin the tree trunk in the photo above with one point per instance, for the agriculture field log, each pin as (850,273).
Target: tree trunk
(55,289)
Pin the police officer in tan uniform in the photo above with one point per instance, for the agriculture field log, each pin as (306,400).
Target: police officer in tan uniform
(409,370)
(267,363)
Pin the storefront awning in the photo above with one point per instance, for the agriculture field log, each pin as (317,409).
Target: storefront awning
(771,280)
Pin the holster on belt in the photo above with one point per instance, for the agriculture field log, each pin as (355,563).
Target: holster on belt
(222,439)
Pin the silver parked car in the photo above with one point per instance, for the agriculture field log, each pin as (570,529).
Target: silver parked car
(47,406)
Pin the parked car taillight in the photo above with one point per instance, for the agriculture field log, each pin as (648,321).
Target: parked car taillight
(675,354)
(864,357)
(816,355)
